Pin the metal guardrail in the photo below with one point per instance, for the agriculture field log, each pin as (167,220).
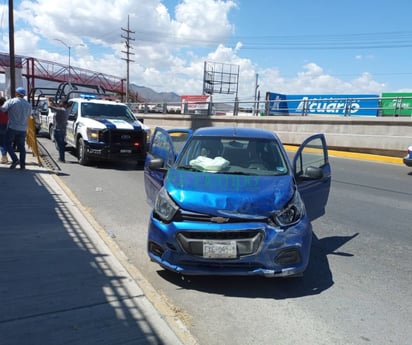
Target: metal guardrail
(398,106)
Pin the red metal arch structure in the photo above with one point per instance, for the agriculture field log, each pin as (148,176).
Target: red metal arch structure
(34,69)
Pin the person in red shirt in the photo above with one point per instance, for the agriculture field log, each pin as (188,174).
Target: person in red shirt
(3,128)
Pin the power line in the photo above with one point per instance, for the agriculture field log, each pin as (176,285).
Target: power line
(372,40)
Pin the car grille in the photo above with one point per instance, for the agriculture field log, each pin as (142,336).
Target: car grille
(247,241)
(183,215)
(122,137)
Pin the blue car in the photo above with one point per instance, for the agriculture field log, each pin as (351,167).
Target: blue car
(407,160)
(229,201)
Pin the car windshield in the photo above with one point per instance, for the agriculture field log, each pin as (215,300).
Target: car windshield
(107,111)
(249,156)
(178,139)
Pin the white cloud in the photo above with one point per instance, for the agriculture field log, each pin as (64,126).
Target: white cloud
(314,80)
(203,20)
(169,47)
(364,57)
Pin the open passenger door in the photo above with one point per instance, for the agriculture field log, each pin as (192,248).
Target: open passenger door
(313,174)
(165,145)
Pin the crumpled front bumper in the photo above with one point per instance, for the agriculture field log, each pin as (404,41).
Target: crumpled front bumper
(291,244)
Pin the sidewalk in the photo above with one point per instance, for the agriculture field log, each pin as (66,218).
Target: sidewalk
(59,281)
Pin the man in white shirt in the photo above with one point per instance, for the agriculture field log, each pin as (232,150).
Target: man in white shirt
(19,111)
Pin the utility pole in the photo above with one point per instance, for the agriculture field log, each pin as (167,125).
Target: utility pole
(128,53)
(70,48)
(11,51)
(255,104)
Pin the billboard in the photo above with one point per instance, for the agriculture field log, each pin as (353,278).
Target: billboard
(396,104)
(277,104)
(340,104)
(194,104)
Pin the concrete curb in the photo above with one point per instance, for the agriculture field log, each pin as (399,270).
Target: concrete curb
(165,309)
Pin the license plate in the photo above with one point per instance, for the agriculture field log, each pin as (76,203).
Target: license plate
(125,151)
(219,249)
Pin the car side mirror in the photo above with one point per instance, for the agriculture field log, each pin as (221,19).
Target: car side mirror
(156,164)
(312,173)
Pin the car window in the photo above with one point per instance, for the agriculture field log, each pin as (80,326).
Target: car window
(73,108)
(312,156)
(178,139)
(101,110)
(161,147)
(234,155)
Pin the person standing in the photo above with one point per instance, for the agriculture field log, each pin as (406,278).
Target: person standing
(3,128)
(19,111)
(60,123)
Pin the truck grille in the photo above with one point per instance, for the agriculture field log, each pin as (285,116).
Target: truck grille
(122,138)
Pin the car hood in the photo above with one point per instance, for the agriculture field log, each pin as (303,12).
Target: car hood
(112,123)
(227,194)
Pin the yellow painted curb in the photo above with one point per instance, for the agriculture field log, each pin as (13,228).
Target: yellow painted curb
(356,155)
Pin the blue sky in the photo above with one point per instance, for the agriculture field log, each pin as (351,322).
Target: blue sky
(297,47)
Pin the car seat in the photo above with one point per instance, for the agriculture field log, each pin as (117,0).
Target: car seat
(212,148)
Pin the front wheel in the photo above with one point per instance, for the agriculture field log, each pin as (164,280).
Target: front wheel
(81,152)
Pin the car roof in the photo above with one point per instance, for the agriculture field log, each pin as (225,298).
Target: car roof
(95,100)
(238,132)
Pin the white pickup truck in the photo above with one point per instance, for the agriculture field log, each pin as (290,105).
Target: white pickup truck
(43,116)
(99,129)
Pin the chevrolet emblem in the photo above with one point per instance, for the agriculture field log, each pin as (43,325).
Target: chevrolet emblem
(219,220)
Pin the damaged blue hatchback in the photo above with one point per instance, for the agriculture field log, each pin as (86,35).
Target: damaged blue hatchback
(227,201)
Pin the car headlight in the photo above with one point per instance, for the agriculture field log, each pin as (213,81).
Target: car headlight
(291,213)
(93,134)
(164,207)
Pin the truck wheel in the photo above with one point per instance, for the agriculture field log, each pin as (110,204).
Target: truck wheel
(81,152)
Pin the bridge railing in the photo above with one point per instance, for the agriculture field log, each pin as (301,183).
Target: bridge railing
(346,107)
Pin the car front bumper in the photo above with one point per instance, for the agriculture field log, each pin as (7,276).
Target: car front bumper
(407,160)
(105,152)
(278,253)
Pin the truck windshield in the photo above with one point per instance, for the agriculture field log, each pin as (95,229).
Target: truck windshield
(107,111)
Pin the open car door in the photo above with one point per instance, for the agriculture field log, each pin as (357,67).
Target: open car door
(165,145)
(313,174)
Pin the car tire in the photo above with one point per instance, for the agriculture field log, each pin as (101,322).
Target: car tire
(51,131)
(81,152)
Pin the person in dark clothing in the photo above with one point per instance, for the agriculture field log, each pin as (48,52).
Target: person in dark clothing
(60,123)
(3,128)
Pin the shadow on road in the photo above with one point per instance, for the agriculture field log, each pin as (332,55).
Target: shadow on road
(317,278)
(56,285)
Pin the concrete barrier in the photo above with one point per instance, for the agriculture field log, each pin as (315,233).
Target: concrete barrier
(379,135)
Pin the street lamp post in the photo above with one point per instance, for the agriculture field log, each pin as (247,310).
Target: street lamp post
(255,104)
(70,48)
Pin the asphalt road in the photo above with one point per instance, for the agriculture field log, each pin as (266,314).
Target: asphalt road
(355,291)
